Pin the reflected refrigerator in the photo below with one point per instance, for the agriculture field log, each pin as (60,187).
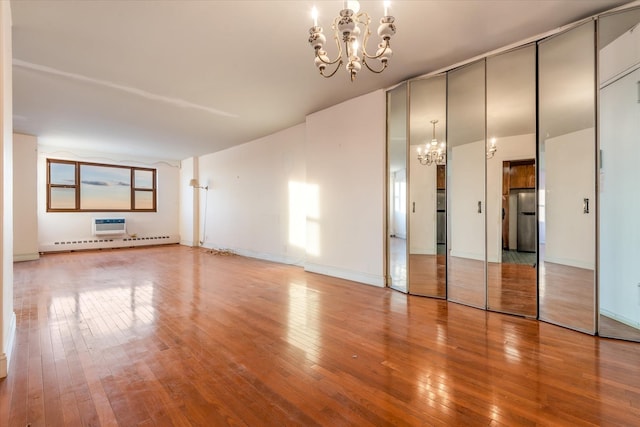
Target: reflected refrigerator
(441,215)
(527,221)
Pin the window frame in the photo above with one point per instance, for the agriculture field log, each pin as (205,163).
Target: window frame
(78,188)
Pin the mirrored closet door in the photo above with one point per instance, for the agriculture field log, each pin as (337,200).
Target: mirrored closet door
(566,182)
(619,247)
(466,154)
(396,229)
(427,194)
(511,182)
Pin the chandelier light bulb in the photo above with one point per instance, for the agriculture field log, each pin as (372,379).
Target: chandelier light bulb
(353,5)
(314,15)
(386,7)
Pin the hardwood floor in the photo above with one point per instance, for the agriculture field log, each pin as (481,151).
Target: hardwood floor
(177,336)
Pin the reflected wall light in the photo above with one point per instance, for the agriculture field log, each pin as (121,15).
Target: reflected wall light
(491,148)
(352,28)
(194,183)
(433,151)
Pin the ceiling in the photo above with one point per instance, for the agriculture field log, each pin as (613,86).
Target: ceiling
(175,79)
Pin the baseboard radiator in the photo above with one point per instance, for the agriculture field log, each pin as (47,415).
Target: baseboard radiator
(108,233)
(107,242)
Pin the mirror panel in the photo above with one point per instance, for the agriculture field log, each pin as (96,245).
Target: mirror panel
(566,182)
(466,185)
(511,181)
(397,188)
(427,201)
(619,272)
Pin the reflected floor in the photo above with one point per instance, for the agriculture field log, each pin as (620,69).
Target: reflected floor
(567,296)
(512,289)
(609,327)
(398,263)
(515,257)
(427,275)
(466,281)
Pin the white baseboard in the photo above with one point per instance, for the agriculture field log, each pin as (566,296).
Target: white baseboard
(281,259)
(365,278)
(570,262)
(26,257)
(355,276)
(5,357)
(422,251)
(467,255)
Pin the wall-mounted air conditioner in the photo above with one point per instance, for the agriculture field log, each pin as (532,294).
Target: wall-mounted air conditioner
(103,226)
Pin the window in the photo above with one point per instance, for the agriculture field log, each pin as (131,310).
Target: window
(79,186)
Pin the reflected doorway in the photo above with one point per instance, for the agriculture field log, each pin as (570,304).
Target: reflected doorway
(396,228)
(519,212)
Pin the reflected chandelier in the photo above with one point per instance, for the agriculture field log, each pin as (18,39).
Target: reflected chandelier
(434,152)
(348,27)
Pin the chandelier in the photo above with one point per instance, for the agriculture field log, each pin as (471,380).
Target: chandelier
(434,152)
(491,148)
(348,28)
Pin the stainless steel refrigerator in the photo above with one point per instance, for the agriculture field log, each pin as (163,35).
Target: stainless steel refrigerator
(527,221)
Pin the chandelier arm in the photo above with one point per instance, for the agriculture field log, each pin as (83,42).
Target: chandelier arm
(334,71)
(384,66)
(367,33)
(338,58)
(387,46)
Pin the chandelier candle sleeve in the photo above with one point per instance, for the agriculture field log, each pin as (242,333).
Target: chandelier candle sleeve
(351,33)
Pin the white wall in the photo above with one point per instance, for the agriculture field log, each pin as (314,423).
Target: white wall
(422,189)
(467,189)
(73,226)
(345,175)
(189,198)
(255,205)
(7,317)
(25,208)
(620,201)
(510,148)
(569,176)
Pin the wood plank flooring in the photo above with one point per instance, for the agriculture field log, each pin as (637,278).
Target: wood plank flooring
(175,336)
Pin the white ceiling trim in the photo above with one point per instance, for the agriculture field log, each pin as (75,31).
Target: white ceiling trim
(132,90)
